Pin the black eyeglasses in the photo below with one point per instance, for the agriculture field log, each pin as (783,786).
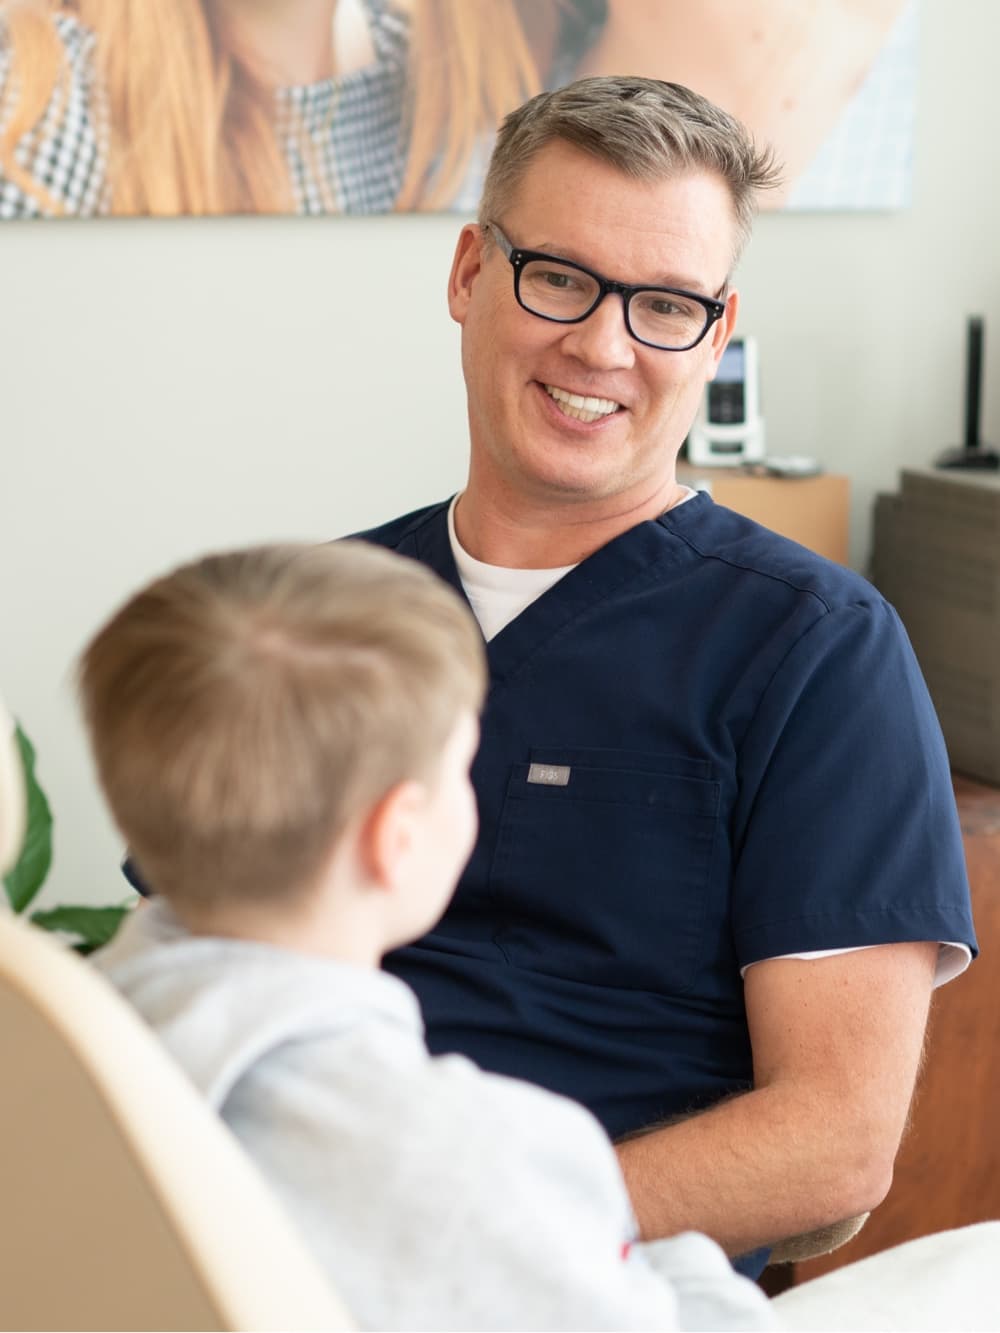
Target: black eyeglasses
(566,293)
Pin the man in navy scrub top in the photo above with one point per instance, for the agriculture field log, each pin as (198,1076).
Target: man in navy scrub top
(720,869)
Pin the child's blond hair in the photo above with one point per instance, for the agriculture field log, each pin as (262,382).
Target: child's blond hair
(244,709)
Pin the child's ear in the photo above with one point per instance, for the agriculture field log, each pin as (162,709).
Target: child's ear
(387,836)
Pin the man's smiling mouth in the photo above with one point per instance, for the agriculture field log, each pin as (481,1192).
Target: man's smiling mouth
(580,408)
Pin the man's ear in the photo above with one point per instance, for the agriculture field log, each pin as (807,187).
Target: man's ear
(722,331)
(386,837)
(465,269)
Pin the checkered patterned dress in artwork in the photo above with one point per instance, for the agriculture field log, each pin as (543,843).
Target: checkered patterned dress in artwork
(342,137)
(65,154)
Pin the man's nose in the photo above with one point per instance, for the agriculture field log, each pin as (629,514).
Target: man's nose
(602,340)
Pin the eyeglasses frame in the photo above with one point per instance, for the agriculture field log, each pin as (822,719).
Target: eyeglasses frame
(517,258)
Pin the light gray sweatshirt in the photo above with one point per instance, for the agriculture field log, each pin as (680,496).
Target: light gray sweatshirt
(435,1196)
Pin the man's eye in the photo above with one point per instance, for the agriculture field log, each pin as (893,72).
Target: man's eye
(663,306)
(561,291)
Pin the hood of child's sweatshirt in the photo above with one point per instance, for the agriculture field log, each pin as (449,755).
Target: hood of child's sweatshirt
(221,1004)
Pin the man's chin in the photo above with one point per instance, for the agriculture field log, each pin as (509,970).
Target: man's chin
(575,485)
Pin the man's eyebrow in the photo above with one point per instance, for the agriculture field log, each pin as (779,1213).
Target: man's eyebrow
(673,280)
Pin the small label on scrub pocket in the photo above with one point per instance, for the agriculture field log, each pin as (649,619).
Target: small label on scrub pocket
(549,775)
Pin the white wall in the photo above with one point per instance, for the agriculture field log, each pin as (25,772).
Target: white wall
(166,387)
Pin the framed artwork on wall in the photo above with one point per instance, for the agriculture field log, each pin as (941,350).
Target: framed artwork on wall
(194,107)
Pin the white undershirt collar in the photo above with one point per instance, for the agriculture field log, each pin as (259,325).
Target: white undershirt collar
(498,594)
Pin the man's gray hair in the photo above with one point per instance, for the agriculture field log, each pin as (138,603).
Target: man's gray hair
(648,129)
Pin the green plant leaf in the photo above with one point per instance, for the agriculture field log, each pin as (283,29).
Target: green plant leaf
(93,926)
(23,882)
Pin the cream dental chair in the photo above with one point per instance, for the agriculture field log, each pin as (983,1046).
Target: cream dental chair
(124,1202)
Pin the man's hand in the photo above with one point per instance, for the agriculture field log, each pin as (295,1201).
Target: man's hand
(836,1047)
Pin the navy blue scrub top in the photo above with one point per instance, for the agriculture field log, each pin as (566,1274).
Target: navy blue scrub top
(754,769)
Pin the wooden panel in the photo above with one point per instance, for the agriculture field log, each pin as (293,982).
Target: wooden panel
(810,510)
(948,1170)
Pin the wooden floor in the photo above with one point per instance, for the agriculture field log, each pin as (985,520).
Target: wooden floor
(948,1170)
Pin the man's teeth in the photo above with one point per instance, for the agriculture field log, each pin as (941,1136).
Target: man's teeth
(582,409)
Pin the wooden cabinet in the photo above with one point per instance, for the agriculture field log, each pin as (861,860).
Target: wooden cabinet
(948,1169)
(811,510)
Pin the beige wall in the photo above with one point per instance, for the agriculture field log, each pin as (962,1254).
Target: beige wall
(168,387)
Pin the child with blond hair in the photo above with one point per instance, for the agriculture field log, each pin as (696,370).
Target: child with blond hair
(284,737)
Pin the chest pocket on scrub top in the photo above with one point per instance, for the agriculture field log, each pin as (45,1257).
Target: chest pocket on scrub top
(600,874)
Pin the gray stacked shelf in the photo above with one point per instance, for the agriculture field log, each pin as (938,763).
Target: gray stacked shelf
(936,557)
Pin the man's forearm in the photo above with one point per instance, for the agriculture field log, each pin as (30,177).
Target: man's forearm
(758,1168)
(836,1045)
